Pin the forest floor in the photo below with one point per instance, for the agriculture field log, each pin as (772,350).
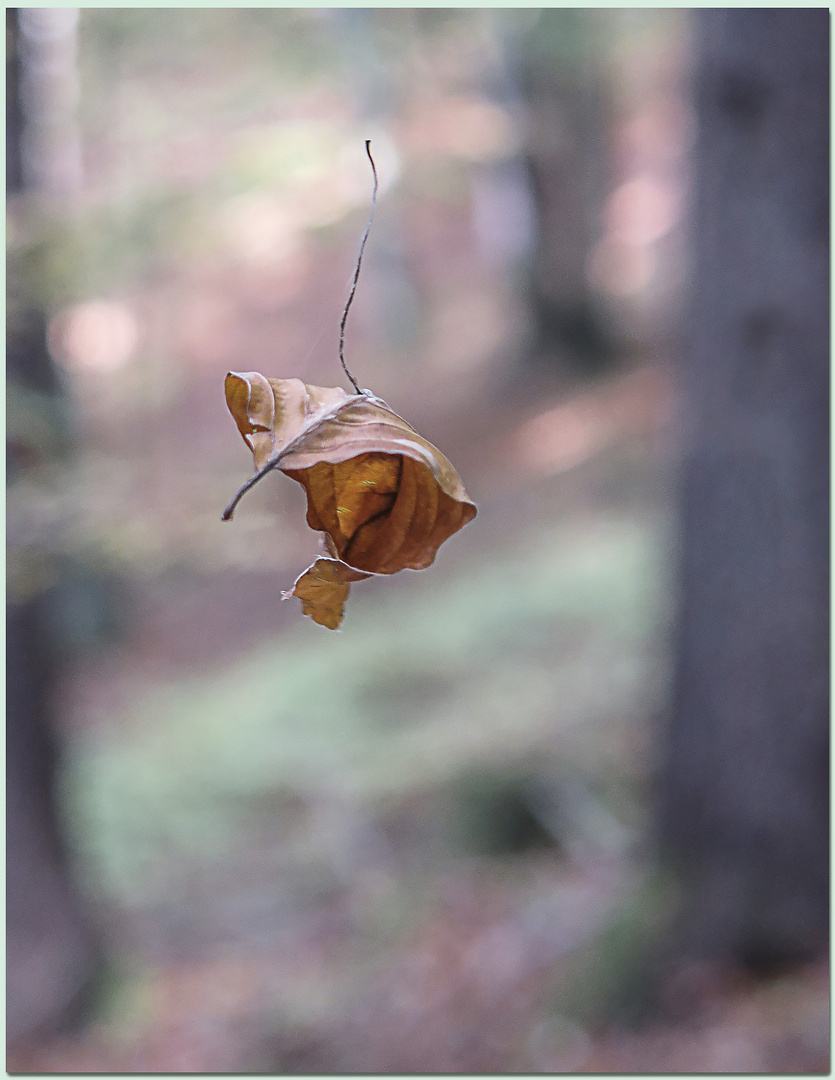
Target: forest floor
(347,898)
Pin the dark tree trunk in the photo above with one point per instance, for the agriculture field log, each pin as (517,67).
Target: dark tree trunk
(50,953)
(744,809)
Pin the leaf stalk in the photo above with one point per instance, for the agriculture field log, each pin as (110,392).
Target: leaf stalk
(354,382)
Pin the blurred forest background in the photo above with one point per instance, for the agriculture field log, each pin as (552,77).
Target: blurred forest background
(448,837)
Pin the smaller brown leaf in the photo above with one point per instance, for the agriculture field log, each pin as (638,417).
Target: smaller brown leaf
(323,589)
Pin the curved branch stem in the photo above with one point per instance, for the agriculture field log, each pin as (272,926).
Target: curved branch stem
(244,488)
(275,460)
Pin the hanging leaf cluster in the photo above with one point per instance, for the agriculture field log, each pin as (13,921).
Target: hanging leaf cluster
(383,497)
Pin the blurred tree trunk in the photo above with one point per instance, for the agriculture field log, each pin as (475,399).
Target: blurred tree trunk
(50,955)
(14,106)
(745,782)
(560,79)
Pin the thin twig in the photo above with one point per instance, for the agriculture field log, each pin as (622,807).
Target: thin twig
(354,382)
(276,459)
(245,487)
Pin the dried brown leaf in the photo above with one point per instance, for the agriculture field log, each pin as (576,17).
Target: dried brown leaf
(385,498)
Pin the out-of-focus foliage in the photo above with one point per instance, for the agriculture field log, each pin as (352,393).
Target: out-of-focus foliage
(452,675)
